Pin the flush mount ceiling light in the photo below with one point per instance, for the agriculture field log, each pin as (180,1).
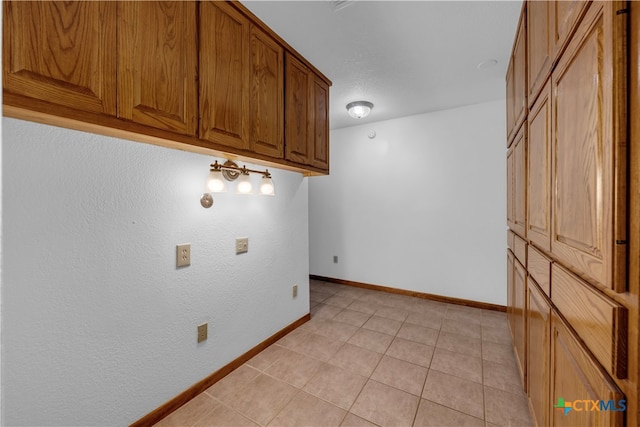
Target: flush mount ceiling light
(230,171)
(359,109)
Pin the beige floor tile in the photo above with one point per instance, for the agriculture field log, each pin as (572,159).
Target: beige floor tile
(431,414)
(294,368)
(502,377)
(355,421)
(351,292)
(460,344)
(294,338)
(307,410)
(384,325)
(462,327)
(499,335)
(339,301)
(365,306)
(499,353)
(419,334)
(427,319)
(267,357)
(398,314)
(319,346)
(318,295)
(190,412)
(455,393)
(401,375)
(385,405)
(422,305)
(513,413)
(371,340)
(336,385)
(411,351)
(493,318)
(333,329)
(232,382)
(325,311)
(352,317)
(224,416)
(458,364)
(465,314)
(356,359)
(262,398)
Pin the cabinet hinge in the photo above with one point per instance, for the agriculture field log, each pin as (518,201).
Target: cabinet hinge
(622,11)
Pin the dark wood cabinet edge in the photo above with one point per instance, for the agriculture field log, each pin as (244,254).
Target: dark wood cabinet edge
(423,295)
(167,408)
(24,108)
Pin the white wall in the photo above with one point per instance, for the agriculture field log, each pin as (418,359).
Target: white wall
(420,207)
(99,327)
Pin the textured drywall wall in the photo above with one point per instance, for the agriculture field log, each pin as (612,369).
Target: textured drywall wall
(99,326)
(419,207)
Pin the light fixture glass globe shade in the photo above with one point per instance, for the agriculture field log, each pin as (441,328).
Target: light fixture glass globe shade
(359,111)
(244,184)
(215,182)
(266,186)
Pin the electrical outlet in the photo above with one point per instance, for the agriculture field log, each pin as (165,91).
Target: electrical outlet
(335,259)
(294,291)
(242,245)
(202,332)
(183,255)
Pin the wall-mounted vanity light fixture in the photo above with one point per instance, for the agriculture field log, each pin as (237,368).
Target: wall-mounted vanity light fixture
(230,171)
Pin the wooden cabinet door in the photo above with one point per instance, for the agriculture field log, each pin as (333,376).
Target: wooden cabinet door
(319,122)
(509,96)
(224,75)
(157,64)
(510,295)
(589,149)
(297,146)
(577,379)
(520,318)
(539,171)
(61,52)
(267,92)
(520,182)
(510,179)
(539,46)
(520,74)
(538,353)
(564,16)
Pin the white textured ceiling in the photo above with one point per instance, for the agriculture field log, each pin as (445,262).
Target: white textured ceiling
(407,57)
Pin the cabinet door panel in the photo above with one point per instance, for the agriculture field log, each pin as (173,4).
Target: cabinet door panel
(520,74)
(519,314)
(589,166)
(157,80)
(297,118)
(267,91)
(539,45)
(510,101)
(539,354)
(510,178)
(576,377)
(61,52)
(224,75)
(564,16)
(539,172)
(510,295)
(520,182)
(319,131)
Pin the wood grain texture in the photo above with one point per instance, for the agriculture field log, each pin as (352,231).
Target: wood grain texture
(600,322)
(539,353)
(520,182)
(157,64)
(520,87)
(167,408)
(588,230)
(267,95)
(539,267)
(577,377)
(520,250)
(511,318)
(423,295)
(297,119)
(539,171)
(539,46)
(564,16)
(319,122)
(224,75)
(511,237)
(520,319)
(510,102)
(62,52)
(511,220)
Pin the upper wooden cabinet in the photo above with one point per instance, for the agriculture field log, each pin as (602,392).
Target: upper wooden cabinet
(157,64)
(589,146)
(517,81)
(539,171)
(564,15)
(306,115)
(539,46)
(61,52)
(517,183)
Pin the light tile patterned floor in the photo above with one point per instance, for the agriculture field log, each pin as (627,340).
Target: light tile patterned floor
(370,358)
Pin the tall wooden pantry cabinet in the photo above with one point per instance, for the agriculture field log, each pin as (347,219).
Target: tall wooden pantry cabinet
(573,202)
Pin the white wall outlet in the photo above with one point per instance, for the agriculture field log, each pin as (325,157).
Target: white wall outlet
(202,332)
(242,245)
(335,259)
(183,255)
(294,291)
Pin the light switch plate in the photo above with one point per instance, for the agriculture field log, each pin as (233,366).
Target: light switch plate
(202,332)
(183,255)
(242,245)
(294,291)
